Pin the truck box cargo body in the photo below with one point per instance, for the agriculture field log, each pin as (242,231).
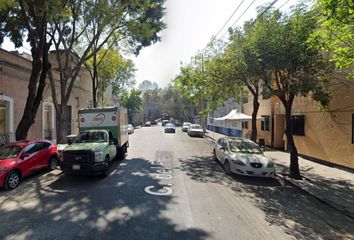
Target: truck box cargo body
(110,118)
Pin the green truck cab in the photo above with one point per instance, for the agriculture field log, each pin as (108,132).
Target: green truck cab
(103,137)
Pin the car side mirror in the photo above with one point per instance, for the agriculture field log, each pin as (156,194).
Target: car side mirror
(24,155)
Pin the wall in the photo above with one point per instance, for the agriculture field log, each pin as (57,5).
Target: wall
(328,134)
(15,71)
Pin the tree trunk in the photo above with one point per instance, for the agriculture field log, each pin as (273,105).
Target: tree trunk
(94,81)
(254,118)
(36,85)
(61,123)
(294,160)
(28,115)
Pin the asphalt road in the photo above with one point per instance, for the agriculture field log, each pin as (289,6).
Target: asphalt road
(168,187)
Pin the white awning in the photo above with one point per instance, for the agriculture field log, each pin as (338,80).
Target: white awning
(234,115)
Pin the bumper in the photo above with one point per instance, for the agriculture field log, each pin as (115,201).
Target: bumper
(254,172)
(82,169)
(170,131)
(196,134)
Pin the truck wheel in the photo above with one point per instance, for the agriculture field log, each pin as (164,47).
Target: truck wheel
(122,151)
(105,172)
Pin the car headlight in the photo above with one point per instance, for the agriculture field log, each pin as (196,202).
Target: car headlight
(270,165)
(98,156)
(239,162)
(2,169)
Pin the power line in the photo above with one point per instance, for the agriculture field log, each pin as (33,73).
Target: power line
(228,20)
(239,18)
(265,10)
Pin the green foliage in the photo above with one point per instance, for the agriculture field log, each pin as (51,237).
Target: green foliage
(204,79)
(132,100)
(335,33)
(124,77)
(296,69)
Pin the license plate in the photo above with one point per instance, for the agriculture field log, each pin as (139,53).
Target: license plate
(76,167)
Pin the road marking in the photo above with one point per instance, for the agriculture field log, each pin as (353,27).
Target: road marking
(164,176)
(165,191)
(113,172)
(164,171)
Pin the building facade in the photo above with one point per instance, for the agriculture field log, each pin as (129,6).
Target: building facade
(15,70)
(322,134)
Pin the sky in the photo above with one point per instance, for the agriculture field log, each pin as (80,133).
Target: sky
(190,26)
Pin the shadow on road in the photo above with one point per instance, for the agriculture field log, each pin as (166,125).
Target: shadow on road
(84,207)
(299,214)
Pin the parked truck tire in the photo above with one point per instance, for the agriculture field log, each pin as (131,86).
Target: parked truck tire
(122,151)
(105,172)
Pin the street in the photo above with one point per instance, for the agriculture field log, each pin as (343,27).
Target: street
(168,187)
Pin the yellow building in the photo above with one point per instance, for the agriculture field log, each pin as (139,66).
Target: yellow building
(326,135)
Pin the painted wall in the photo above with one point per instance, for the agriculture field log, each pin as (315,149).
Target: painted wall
(15,71)
(328,134)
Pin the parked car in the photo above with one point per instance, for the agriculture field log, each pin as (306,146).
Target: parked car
(170,128)
(195,130)
(178,123)
(20,159)
(244,157)
(164,122)
(147,124)
(185,126)
(130,129)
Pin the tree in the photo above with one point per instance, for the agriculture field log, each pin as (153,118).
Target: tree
(132,101)
(87,27)
(295,69)
(28,20)
(335,33)
(124,78)
(103,67)
(242,67)
(148,85)
(203,80)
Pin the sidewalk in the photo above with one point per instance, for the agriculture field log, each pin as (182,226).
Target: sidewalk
(330,185)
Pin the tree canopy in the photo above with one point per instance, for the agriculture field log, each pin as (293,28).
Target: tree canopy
(335,33)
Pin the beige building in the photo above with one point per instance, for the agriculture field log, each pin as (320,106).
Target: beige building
(15,70)
(325,135)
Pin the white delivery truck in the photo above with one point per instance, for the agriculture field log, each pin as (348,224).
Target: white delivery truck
(103,136)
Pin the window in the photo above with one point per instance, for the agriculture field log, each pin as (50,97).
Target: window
(245,125)
(298,125)
(265,123)
(30,148)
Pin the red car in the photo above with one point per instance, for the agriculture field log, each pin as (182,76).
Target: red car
(19,159)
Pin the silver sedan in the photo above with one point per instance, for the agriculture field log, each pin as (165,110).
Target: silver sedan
(244,157)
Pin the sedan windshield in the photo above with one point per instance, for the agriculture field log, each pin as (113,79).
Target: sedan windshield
(244,147)
(89,137)
(195,126)
(9,151)
(170,125)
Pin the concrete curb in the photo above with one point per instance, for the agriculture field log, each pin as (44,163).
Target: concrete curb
(209,138)
(323,200)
